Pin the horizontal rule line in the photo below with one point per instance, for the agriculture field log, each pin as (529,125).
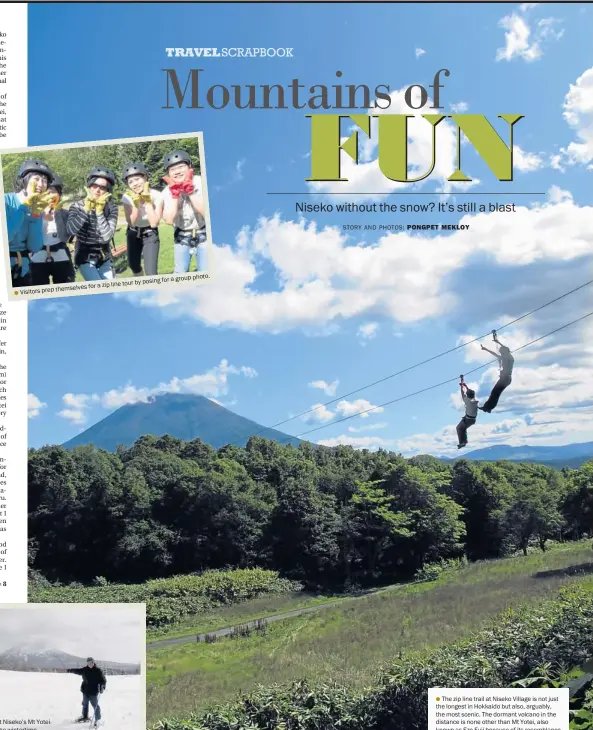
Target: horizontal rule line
(411,193)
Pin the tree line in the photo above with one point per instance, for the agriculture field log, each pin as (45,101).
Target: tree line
(329,517)
(73,165)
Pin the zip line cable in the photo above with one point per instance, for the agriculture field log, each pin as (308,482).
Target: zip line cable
(416,365)
(438,385)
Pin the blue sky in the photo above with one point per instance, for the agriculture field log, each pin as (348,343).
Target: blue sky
(296,301)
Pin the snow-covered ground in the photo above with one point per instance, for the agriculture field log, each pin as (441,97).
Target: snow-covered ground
(56,697)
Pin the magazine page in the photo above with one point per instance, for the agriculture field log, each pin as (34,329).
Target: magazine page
(300,298)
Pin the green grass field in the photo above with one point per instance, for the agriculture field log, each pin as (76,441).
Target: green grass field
(239,613)
(166,261)
(349,642)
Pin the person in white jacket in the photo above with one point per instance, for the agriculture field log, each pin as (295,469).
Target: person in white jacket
(471,413)
(183,208)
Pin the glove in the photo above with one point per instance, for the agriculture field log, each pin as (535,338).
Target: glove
(50,200)
(89,201)
(175,188)
(101,201)
(188,184)
(145,194)
(34,201)
(135,197)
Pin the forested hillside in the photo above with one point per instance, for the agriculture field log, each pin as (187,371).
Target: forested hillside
(329,517)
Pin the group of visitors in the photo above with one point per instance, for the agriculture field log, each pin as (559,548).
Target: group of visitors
(41,231)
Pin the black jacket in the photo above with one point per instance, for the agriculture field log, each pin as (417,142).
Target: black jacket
(93,679)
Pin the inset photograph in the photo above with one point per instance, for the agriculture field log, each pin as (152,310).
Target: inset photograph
(65,665)
(117,215)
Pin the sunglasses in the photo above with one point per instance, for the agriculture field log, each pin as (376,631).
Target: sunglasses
(99,187)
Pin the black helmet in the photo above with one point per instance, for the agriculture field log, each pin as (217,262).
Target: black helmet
(56,182)
(134,168)
(173,158)
(90,659)
(34,166)
(101,172)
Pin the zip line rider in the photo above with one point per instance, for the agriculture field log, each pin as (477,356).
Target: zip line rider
(93,221)
(23,218)
(143,207)
(505,363)
(471,412)
(54,261)
(93,685)
(184,209)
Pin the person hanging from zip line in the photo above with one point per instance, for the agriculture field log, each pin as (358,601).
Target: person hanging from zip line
(93,221)
(471,412)
(53,262)
(94,683)
(183,208)
(505,364)
(24,208)
(143,207)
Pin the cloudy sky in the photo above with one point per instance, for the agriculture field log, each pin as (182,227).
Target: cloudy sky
(110,633)
(301,311)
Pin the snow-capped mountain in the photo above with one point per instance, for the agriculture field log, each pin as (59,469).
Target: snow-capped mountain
(40,656)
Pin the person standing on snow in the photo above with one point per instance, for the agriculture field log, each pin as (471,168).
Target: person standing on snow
(93,221)
(471,413)
(143,208)
(93,684)
(184,209)
(23,218)
(505,363)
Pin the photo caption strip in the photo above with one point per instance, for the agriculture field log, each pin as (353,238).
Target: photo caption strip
(495,709)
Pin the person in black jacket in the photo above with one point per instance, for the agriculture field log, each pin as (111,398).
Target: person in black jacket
(93,684)
(505,364)
(54,261)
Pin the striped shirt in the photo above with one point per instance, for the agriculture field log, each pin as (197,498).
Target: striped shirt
(92,230)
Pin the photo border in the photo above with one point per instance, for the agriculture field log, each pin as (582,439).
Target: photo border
(141,607)
(114,285)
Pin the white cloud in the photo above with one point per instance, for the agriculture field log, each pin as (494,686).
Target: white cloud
(318,414)
(526,161)
(420,52)
(521,42)
(459,108)
(361,442)
(34,405)
(369,427)
(77,406)
(578,113)
(325,278)
(236,176)
(327,388)
(212,384)
(367,331)
(57,311)
(352,408)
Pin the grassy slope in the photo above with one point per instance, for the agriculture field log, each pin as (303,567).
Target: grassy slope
(165,263)
(239,613)
(348,643)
